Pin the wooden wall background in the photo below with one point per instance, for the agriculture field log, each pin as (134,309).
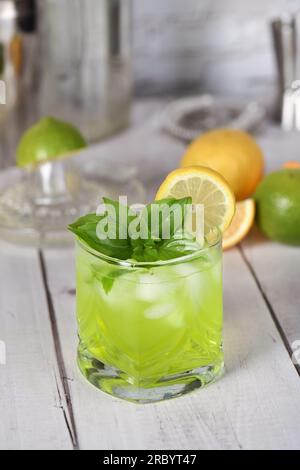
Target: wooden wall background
(213,45)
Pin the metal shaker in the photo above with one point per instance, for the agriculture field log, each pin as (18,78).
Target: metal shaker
(283,41)
(286,40)
(85,63)
(66,58)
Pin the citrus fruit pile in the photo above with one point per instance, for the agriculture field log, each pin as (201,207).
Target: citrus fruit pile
(226,161)
(235,156)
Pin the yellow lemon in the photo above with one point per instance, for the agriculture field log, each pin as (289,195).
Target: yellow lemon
(232,153)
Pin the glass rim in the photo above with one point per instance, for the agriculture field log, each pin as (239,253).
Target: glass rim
(152,264)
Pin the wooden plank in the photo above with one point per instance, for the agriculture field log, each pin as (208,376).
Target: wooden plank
(255,405)
(31,402)
(277,268)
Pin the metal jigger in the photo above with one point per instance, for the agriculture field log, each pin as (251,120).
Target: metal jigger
(286,39)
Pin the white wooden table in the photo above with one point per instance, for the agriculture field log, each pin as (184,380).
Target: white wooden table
(44,402)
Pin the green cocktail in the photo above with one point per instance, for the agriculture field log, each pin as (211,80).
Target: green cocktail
(149,290)
(150,331)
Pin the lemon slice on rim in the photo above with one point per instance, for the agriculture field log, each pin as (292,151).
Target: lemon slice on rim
(204,186)
(241,223)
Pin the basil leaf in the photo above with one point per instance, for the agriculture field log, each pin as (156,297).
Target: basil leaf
(123,217)
(108,280)
(87,230)
(176,248)
(145,250)
(89,218)
(91,229)
(166,224)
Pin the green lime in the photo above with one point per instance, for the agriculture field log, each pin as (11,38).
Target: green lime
(278,206)
(49,139)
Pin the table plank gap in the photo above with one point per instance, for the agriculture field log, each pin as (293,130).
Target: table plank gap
(61,382)
(277,267)
(269,306)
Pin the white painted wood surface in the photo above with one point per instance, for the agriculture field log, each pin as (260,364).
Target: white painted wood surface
(31,400)
(256,404)
(45,403)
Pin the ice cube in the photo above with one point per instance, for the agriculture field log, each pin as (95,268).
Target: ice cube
(168,312)
(150,289)
(158,311)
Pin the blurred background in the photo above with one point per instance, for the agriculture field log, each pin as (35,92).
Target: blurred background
(207,45)
(83,60)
